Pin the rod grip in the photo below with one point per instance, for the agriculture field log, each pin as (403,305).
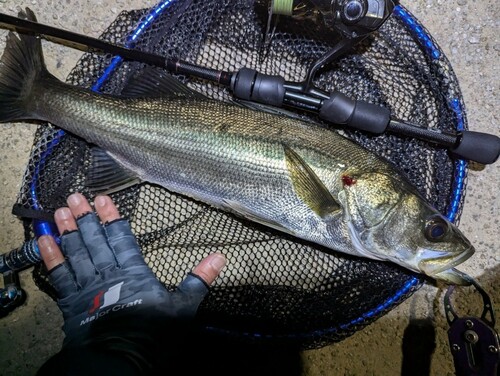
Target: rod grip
(250,85)
(480,147)
(341,110)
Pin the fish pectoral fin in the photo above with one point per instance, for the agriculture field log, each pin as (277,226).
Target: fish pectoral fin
(154,82)
(308,186)
(239,210)
(106,175)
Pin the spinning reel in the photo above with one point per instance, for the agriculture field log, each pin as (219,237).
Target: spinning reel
(351,18)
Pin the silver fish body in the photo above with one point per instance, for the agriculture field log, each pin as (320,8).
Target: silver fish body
(228,156)
(288,174)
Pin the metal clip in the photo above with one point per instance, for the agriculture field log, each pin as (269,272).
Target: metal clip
(474,341)
(12,295)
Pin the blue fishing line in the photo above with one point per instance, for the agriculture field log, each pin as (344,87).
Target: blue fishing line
(47,228)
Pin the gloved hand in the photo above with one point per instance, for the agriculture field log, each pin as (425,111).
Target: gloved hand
(103,278)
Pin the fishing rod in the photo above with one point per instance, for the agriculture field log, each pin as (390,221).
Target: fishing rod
(354,19)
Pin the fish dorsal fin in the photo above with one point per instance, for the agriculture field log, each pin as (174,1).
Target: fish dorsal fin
(106,175)
(154,82)
(308,185)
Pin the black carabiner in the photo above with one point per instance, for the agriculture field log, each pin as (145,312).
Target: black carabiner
(474,342)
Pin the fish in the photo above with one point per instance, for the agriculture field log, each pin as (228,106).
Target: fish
(269,167)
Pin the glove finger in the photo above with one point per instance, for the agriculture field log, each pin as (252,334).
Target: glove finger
(63,280)
(78,256)
(95,240)
(124,244)
(189,295)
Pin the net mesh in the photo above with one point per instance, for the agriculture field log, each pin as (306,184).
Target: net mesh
(274,288)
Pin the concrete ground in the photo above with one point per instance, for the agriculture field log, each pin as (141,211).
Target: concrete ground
(467,31)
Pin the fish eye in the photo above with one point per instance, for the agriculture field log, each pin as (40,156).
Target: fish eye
(436,228)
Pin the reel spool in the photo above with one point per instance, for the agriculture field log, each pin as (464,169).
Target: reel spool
(351,18)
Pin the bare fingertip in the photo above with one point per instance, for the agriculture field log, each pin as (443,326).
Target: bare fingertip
(62,214)
(45,242)
(75,199)
(101,201)
(49,251)
(218,262)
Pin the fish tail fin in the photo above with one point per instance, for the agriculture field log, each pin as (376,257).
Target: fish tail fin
(21,66)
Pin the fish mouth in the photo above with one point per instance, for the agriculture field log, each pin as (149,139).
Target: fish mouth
(455,277)
(435,262)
